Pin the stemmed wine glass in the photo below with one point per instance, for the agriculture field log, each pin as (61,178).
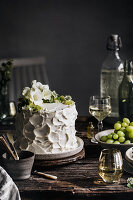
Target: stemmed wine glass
(99,107)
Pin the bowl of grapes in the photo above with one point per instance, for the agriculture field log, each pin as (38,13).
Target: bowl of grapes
(119,137)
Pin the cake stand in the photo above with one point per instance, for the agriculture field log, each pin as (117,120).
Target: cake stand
(61,158)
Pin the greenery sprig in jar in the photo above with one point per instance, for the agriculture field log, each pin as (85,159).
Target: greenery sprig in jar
(5,76)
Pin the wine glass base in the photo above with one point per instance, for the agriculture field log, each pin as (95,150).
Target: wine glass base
(93,140)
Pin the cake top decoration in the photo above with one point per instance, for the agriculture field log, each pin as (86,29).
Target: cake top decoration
(38,95)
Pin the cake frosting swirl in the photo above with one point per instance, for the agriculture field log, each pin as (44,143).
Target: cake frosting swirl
(45,122)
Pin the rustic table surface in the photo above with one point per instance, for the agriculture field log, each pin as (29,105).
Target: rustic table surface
(77,180)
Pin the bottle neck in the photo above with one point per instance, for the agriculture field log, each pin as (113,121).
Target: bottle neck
(128,75)
(113,53)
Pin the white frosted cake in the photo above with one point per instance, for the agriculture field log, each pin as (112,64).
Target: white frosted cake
(45,122)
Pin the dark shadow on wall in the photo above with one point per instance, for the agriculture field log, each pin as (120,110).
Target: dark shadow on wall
(71,35)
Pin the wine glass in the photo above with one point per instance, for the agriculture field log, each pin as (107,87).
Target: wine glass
(110,166)
(99,107)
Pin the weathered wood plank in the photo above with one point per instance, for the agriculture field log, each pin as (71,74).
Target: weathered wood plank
(76,179)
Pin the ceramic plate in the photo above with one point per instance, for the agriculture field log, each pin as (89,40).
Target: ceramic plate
(129,155)
(56,156)
(128,167)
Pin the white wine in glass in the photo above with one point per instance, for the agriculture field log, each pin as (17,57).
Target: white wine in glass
(99,107)
(110,166)
(100,113)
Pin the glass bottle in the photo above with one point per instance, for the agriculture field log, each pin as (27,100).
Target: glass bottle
(90,130)
(112,72)
(126,92)
(4,102)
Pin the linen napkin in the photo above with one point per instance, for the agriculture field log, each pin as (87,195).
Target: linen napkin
(8,189)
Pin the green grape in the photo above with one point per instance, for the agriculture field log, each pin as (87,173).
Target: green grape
(103,138)
(113,133)
(109,136)
(129,128)
(121,139)
(118,122)
(124,124)
(68,102)
(131,124)
(115,136)
(123,129)
(120,133)
(62,98)
(116,142)
(117,126)
(110,141)
(130,135)
(127,142)
(126,120)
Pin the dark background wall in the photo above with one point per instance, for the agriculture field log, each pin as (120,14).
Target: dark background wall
(71,35)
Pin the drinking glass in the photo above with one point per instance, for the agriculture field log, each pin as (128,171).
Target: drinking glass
(100,107)
(110,166)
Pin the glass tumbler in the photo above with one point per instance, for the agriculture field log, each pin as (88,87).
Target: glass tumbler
(110,166)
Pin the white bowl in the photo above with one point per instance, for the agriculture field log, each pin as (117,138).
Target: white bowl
(121,147)
(129,155)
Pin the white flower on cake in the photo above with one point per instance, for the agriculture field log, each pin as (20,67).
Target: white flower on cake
(34,98)
(26,92)
(43,90)
(45,122)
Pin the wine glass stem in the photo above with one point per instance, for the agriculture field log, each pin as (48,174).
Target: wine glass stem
(100,126)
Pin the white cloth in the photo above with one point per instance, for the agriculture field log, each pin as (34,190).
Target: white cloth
(8,189)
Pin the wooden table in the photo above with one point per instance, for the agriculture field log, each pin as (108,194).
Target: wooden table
(78,180)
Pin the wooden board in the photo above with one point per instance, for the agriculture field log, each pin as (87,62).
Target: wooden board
(43,163)
(78,180)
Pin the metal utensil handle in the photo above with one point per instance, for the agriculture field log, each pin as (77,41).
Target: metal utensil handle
(46,175)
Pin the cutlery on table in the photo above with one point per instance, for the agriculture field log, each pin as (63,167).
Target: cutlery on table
(45,175)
